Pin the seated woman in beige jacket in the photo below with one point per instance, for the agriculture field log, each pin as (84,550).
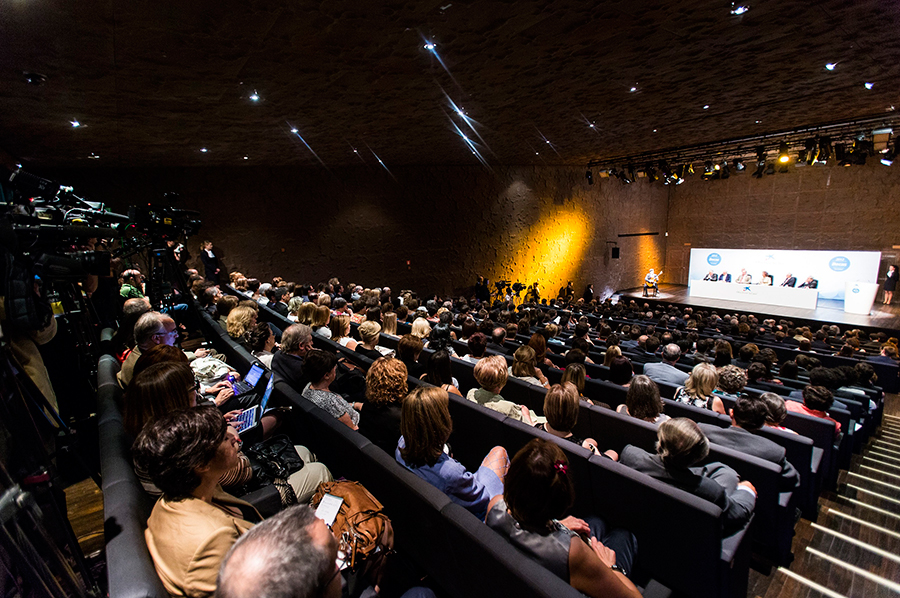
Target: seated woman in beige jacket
(195,522)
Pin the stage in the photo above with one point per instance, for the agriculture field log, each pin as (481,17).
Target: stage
(886,317)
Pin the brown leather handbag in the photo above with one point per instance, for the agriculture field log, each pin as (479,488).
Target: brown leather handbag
(360,526)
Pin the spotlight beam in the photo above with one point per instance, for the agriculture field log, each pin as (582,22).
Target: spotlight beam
(383,165)
(300,137)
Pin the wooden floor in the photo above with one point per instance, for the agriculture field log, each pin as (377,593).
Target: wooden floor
(881,316)
(863,560)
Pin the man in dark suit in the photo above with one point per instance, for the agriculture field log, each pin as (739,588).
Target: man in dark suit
(711,276)
(287,364)
(888,356)
(588,294)
(278,305)
(789,281)
(747,416)
(725,277)
(810,283)
(498,337)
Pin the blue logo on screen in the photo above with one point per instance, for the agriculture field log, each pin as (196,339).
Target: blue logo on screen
(839,264)
(855,290)
(713,259)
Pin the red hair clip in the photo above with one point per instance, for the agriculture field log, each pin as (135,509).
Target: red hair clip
(561,467)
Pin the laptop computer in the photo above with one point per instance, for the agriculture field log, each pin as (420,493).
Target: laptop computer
(250,417)
(250,381)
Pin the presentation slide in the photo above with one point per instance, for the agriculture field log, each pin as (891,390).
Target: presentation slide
(833,269)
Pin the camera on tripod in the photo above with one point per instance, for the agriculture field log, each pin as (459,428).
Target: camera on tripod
(502,284)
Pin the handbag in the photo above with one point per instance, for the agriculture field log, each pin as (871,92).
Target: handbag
(275,458)
(361,527)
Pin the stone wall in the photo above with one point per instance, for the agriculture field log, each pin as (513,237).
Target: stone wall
(432,229)
(813,207)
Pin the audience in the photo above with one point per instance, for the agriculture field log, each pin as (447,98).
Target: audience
(369,332)
(439,374)
(817,400)
(561,407)
(525,368)
(340,332)
(621,372)
(287,364)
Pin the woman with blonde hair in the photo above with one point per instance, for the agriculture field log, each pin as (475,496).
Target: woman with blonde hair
(389,323)
(294,306)
(340,331)
(426,426)
(525,369)
(320,321)
(241,321)
(492,373)
(306,313)
(324,299)
(611,354)
(421,328)
(699,387)
(370,332)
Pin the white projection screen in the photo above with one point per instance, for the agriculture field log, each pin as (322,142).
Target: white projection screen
(831,268)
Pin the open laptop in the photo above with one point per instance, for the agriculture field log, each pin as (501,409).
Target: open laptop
(250,382)
(250,417)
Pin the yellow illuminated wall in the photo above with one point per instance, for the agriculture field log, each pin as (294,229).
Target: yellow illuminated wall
(551,251)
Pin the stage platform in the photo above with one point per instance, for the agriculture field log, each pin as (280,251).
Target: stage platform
(882,317)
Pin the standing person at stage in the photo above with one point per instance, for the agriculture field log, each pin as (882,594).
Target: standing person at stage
(651,281)
(210,262)
(766,278)
(890,283)
(744,278)
(789,281)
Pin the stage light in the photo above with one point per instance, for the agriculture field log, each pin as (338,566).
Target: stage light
(246,157)
(203,150)
(604,174)
(706,107)
(738,164)
(75,124)
(860,151)
(760,168)
(830,66)
(887,157)
(709,171)
(812,150)
(295,131)
(254,97)
(770,168)
(739,10)
(626,180)
(633,89)
(590,177)
(826,151)
(651,172)
(726,170)
(869,85)
(783,156)
(430,46)
(689,168)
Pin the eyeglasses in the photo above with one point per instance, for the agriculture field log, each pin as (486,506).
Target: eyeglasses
(195,387)
(167,333)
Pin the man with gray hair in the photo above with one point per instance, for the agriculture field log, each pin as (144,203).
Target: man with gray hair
(290,555)
(287,364)
(666,371)
(152,328)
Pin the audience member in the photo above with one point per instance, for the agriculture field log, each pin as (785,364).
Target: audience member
(643,401)
(438,372)
(666,371)
(262,343)
(340,331)
(524,367)
(776,411)
(561,407)
(680,446)
(492,373)
(699,387)
(152,328)
(621,371)
(538,493)
(817,400)
(379,418)
(321,368)
(426,427)
(287,364)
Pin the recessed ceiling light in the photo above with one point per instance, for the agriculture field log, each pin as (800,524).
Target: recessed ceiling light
(355,151)
(203,150)
(739,10)
(536,154)
(706,107)
(36,79)
(294,131)
(94,156)
(654,130)
(430,46)
(759,121)
(633,89)
(591,125)
(869,85)
(254,97)
(547,141)
(246,157)
(830,66)
(75,124)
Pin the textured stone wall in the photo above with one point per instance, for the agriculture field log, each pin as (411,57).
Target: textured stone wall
(432,229)
(853,208)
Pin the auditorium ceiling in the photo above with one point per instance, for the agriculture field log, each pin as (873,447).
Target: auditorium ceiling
(517,82)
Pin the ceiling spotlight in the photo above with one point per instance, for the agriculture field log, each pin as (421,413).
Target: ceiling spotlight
(689,168)
(294,131)
(726,170)
(246,157)
(709,171)
(770,168)
(75,124)
(94,156)
(591,125)
(623,176)
(869,85)
(203,150)
(633,89)
(430,46)
(590,177)
(760,162)
(739,10)
(706,107)
(783,156)
(830,66)
(738,164)
(826,151)
(35,79)
(811,147)
(254,97)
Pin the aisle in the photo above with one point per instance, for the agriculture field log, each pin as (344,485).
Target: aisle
(854,548)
